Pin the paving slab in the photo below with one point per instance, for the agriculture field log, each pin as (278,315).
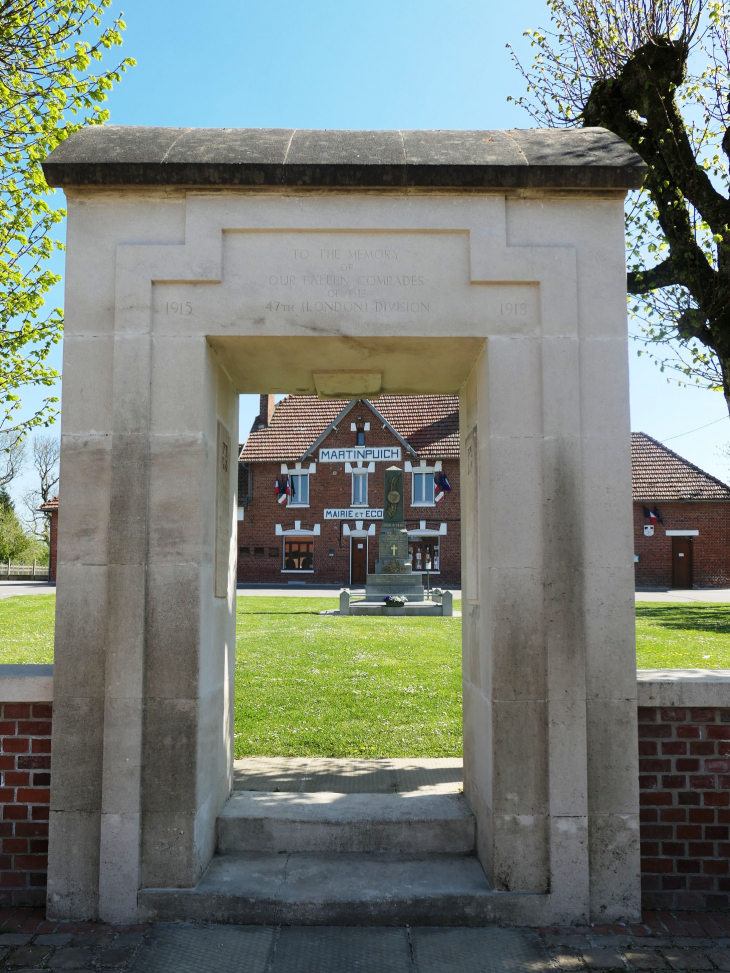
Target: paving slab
(27,956)
(338,949)
(177,948)
(603,959)
(687,959)
(568,961)
(71,958)
(644,959)
(486,950)
(720,957)
(441,775)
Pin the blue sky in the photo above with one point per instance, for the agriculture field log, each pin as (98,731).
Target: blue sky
(364,64)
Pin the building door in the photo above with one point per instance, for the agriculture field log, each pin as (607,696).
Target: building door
(358,560)
(681,562)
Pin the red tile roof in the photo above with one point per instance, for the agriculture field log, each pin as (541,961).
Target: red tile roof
(51,504)
(658,473)
(430,423)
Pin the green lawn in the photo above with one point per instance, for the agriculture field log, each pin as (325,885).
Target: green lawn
(26,628)
(375,687)
(695,635)
(308,684)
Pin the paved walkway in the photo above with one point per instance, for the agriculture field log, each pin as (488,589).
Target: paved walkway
(679,594)
(305,591)
(351,775)
(10,588)
(663,941)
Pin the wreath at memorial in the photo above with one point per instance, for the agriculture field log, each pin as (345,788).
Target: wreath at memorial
(395,601)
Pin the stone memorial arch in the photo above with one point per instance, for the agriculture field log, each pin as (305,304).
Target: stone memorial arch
(206,263)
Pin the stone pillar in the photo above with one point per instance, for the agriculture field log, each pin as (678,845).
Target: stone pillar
(145,643)
(549,675)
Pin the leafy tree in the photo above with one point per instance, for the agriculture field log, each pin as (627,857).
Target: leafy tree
(46,92)
(46,454)
(656,73)
(12,456)
(15,544)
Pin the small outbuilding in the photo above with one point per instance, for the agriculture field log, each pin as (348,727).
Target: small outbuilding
(50,507)
(681,520)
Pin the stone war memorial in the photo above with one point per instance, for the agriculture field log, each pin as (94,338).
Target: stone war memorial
(203,264)
(394,575)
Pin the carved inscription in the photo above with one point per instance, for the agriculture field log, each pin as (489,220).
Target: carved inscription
(350,279)
(183,308)
(222,510)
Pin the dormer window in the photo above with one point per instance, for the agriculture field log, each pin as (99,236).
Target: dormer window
(359,427)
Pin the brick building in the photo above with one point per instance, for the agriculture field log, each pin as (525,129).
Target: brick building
(681,520)
(332,455)
(51,509)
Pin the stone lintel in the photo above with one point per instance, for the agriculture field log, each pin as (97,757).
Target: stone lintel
(587,158)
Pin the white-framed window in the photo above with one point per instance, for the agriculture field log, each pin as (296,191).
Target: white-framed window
(299,483)
(424,553)
(359,489)
(298,554)
(422,489)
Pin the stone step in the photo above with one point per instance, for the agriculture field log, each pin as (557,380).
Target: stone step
(366,890)
(329,822)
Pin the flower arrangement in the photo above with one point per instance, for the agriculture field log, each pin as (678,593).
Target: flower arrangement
(395,601)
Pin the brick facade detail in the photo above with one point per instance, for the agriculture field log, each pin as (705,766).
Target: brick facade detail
(710,548)
(53,546)
(261,551)
(25,774)
(684,784)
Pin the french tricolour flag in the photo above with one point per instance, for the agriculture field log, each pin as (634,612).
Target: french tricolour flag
(442,486)
(280,489)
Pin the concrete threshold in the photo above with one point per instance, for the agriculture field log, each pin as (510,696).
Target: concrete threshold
(349,775)
(367,890)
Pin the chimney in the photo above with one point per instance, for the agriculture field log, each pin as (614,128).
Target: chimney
(266,410)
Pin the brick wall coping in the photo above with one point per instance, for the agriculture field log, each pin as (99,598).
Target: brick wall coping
(26,683)
(683,687)
(656,687)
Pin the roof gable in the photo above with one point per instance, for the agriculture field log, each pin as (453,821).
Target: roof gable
(345,412)
(658,473)
(426,425)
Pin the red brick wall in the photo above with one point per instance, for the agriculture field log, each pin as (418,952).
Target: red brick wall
(53,546)
(684,783)
(25,769)
(710,549)
(330,486)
